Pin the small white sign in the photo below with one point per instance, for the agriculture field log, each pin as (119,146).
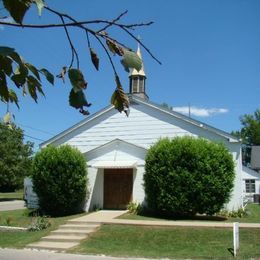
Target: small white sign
(236,237)
(30,196)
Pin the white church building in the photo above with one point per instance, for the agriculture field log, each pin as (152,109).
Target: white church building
(115,146)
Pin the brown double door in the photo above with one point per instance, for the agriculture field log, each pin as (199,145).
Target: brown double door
(118,188)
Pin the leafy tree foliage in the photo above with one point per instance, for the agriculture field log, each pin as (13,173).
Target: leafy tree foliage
(249,133)
(15,161)
(27,78)
(185,176)
(60,180)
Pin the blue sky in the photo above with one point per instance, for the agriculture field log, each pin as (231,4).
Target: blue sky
(210,54)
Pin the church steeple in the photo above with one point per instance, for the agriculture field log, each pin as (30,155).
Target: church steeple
(137,79)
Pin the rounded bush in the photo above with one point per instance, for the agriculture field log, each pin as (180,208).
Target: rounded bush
(186,176)
(60,180)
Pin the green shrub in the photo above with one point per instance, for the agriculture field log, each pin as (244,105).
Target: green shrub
(60,180)
(134,208)
(39,223)
(185,176)
(240,213)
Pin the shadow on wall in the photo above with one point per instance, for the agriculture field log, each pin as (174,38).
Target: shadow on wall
(96,197)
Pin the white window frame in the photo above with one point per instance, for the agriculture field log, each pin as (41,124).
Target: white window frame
(250,186)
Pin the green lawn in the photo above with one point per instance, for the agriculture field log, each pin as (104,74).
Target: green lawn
(252,209)
(177,242)
(5,196)
(21,218)
(20,239)
(16,218)
(253,215)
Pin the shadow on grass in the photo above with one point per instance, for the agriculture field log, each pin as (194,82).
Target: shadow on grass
(231,251)
(181,217)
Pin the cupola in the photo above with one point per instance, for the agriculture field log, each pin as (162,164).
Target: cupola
(137,79)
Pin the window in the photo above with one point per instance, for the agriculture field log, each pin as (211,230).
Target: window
(135,85)
(250,186)
(141,85)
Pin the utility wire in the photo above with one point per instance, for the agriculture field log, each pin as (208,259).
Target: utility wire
(30,127)
(35,138)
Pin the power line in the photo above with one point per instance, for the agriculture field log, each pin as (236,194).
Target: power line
(33,128)
(35,138)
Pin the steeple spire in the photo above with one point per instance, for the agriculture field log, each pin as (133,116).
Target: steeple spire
(137,79)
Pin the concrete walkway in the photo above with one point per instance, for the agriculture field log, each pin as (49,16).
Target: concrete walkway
(110,217)
(77,229)
(11,205)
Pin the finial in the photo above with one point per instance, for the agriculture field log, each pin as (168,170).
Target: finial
(138,51)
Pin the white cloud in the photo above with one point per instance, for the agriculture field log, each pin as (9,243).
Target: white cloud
(201,112)
(7,20)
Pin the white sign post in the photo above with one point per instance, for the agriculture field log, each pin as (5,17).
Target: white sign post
(236,237)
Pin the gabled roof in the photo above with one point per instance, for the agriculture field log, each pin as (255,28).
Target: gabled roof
(229,137)
(76,126)
(135,100)
(115,141)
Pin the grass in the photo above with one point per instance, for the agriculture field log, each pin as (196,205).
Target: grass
(15,218)
(21,218)
(252,217)
(20,239)
(17,195)
(177,242)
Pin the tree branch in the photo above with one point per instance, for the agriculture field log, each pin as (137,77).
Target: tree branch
(112,22)
(98,33)
(73,50)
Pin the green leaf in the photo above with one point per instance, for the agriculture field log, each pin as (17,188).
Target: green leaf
(4,93)
(94,58)
(22,69)
(5,51)
(7,118)
(33,81)
(16,57)
(33,86)
(33,70)
(48,75)
(77,80)
(32,91)
(116,101)
(77,99)
(6,65)
(19,79)
(17,8)
(131,60)
(13,97)
(119,99)
(40,6)
(114,47)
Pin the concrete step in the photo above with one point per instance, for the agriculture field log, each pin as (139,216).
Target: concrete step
(78,226)
(71,232)
(56,246)
(64,238)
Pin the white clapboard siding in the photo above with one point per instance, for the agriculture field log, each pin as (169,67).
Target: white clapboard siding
(139,129)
